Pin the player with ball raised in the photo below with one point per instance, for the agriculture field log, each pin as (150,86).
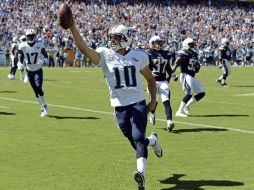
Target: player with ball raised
(122,68)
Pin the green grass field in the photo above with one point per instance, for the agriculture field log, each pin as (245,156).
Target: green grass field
(79,147)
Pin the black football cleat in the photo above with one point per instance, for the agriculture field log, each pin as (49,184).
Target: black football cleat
(140,180)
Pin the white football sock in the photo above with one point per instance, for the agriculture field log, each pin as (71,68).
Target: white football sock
(181,106)
(151,140)
(43,100)
(141,165)
(40,102)
(191,101)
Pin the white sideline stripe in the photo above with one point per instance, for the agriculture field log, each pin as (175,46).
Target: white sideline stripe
(111,113)
(228,103)
(250,94)
(211,101)
(58,106)
(211,126)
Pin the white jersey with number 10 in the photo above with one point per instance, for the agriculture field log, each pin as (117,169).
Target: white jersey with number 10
(122,74)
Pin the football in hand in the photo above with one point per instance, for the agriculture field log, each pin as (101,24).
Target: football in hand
(65,16)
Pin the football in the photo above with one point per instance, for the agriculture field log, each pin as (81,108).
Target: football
(65,16)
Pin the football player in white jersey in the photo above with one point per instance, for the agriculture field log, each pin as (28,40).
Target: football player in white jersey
(188,61)
(14,57)
(122,68)
(23,74)
(32,54)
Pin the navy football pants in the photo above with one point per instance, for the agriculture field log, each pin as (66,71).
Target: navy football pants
(36,81)
(132,120)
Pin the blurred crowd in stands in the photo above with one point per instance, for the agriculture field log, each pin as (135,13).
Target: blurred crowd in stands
(207,23)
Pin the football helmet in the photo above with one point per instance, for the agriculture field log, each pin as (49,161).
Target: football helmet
(224,42)
(120,37)
(155,42)
(31,35)
(188,43)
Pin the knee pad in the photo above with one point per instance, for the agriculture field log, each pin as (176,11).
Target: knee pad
(199,96)
(186,98)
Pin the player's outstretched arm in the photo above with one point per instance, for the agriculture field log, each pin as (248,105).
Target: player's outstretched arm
(89,52)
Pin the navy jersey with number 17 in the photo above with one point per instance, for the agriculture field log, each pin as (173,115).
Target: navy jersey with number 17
(159,64)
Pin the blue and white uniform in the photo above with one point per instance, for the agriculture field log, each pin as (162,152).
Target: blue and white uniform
(225,55)
(159,64)
(190,84)
(122,74)
(32,55)
(33,61)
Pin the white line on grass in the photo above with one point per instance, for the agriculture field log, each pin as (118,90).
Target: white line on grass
(229,103)
(111,113)
(250,94)
(211,126)
(210,101)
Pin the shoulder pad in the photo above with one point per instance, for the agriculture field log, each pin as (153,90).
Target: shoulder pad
(101,49)
(141,51)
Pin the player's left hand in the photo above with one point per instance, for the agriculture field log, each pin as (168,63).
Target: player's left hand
(151,106)
(20,66)
(174,76)
(197,67)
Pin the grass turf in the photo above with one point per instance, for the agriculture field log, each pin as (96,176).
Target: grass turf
(79,147)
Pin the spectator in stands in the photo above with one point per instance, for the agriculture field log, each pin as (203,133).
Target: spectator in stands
(76,62)
(7,57)
(51,56)
(60,55)
(206,22)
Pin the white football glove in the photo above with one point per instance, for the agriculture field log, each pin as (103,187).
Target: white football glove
(20,66)
(173,75)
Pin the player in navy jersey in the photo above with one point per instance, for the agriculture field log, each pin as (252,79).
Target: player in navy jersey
(188,61)
(122,68)
(14,58)
(32,54)
(224,61)
(159,64)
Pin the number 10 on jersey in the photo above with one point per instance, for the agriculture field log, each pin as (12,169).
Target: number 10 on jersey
(127,78)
